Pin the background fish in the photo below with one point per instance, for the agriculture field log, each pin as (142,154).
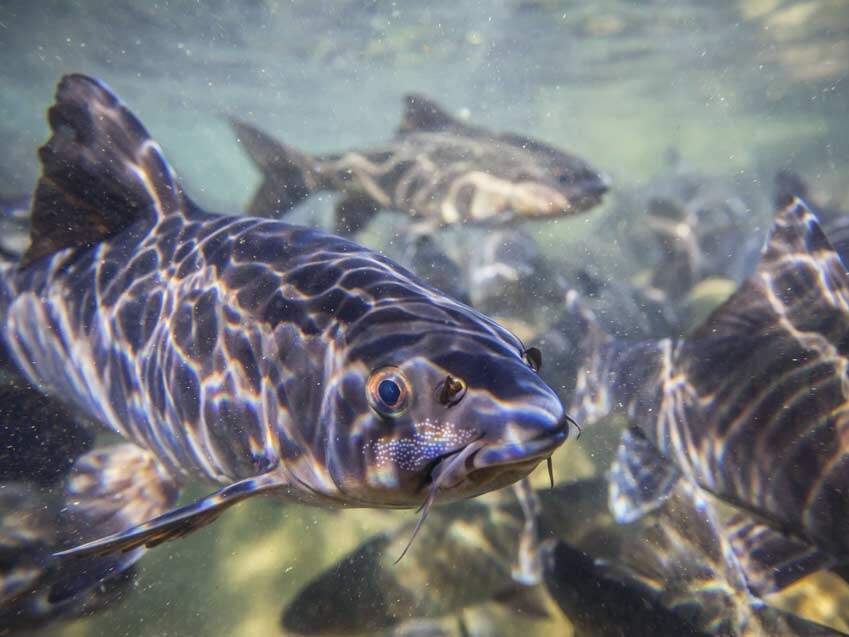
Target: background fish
(14,223)
(751,406)
(40,443)
(249,354)
(438,169)
(671,573)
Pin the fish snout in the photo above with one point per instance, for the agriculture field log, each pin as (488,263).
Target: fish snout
(528,437)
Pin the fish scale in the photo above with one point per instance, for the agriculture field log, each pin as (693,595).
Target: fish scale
(246,353)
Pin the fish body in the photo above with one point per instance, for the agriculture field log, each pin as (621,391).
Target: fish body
(247,353)
(438,169)
(751,406)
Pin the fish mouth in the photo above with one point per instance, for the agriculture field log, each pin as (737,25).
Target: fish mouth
(488,466)
(587,194)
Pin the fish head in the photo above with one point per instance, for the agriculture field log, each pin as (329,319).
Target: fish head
(551,182)
(443,407)
(527,179)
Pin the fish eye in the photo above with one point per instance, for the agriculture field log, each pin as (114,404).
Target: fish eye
(533,358)
(388,391)
(565,178)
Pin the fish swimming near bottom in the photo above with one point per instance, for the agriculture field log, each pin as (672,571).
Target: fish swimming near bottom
(670,573)
(248,354)
(438,169)
(753,406)
(40,444)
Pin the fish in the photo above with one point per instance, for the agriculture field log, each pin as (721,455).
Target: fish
(671,572)
(438,169)
(247,354)
(40,445)
(751,406)
(679,562)
(466,556)
(424,256)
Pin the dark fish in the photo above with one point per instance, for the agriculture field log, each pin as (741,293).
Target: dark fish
(680,562)
(466,554)
(670,573)
(250,354)
(424,257)
(438,169)
(751,406)
(508,273)
(40,443)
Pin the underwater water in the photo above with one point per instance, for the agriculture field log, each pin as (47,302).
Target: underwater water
(689,111)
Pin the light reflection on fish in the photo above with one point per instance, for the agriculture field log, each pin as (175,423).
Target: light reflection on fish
(250,354)
(438,169)
(752,406)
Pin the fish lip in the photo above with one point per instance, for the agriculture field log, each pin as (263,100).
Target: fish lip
(532,451)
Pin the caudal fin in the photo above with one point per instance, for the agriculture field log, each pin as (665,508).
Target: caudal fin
(101,171)
(288,175)
(601,384)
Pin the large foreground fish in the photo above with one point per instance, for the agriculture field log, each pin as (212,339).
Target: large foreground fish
(753,406)
(438,169)
(250,354)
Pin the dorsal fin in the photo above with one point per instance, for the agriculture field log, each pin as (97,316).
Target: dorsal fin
(799,275)
(101,171)
(423,114)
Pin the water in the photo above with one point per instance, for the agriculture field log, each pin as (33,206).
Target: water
(736,91)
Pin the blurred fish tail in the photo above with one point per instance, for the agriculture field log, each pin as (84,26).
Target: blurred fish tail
(608,368)
(288,175)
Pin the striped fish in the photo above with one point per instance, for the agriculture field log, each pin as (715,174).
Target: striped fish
(246,353)
(753,406)
(438,169)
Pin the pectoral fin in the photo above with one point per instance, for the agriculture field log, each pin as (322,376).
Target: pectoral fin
(181,521)
(640,478)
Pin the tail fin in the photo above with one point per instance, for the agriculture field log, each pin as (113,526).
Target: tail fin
(600,384)
(682,554)
(288,175)
(40,445)
(36,590)
(101,171)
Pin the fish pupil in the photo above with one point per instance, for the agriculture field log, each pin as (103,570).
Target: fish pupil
(389,392)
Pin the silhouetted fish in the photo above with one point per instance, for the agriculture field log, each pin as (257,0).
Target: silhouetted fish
(671,573)
(244,352)
(752,406)
(39,443)
(438,169)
